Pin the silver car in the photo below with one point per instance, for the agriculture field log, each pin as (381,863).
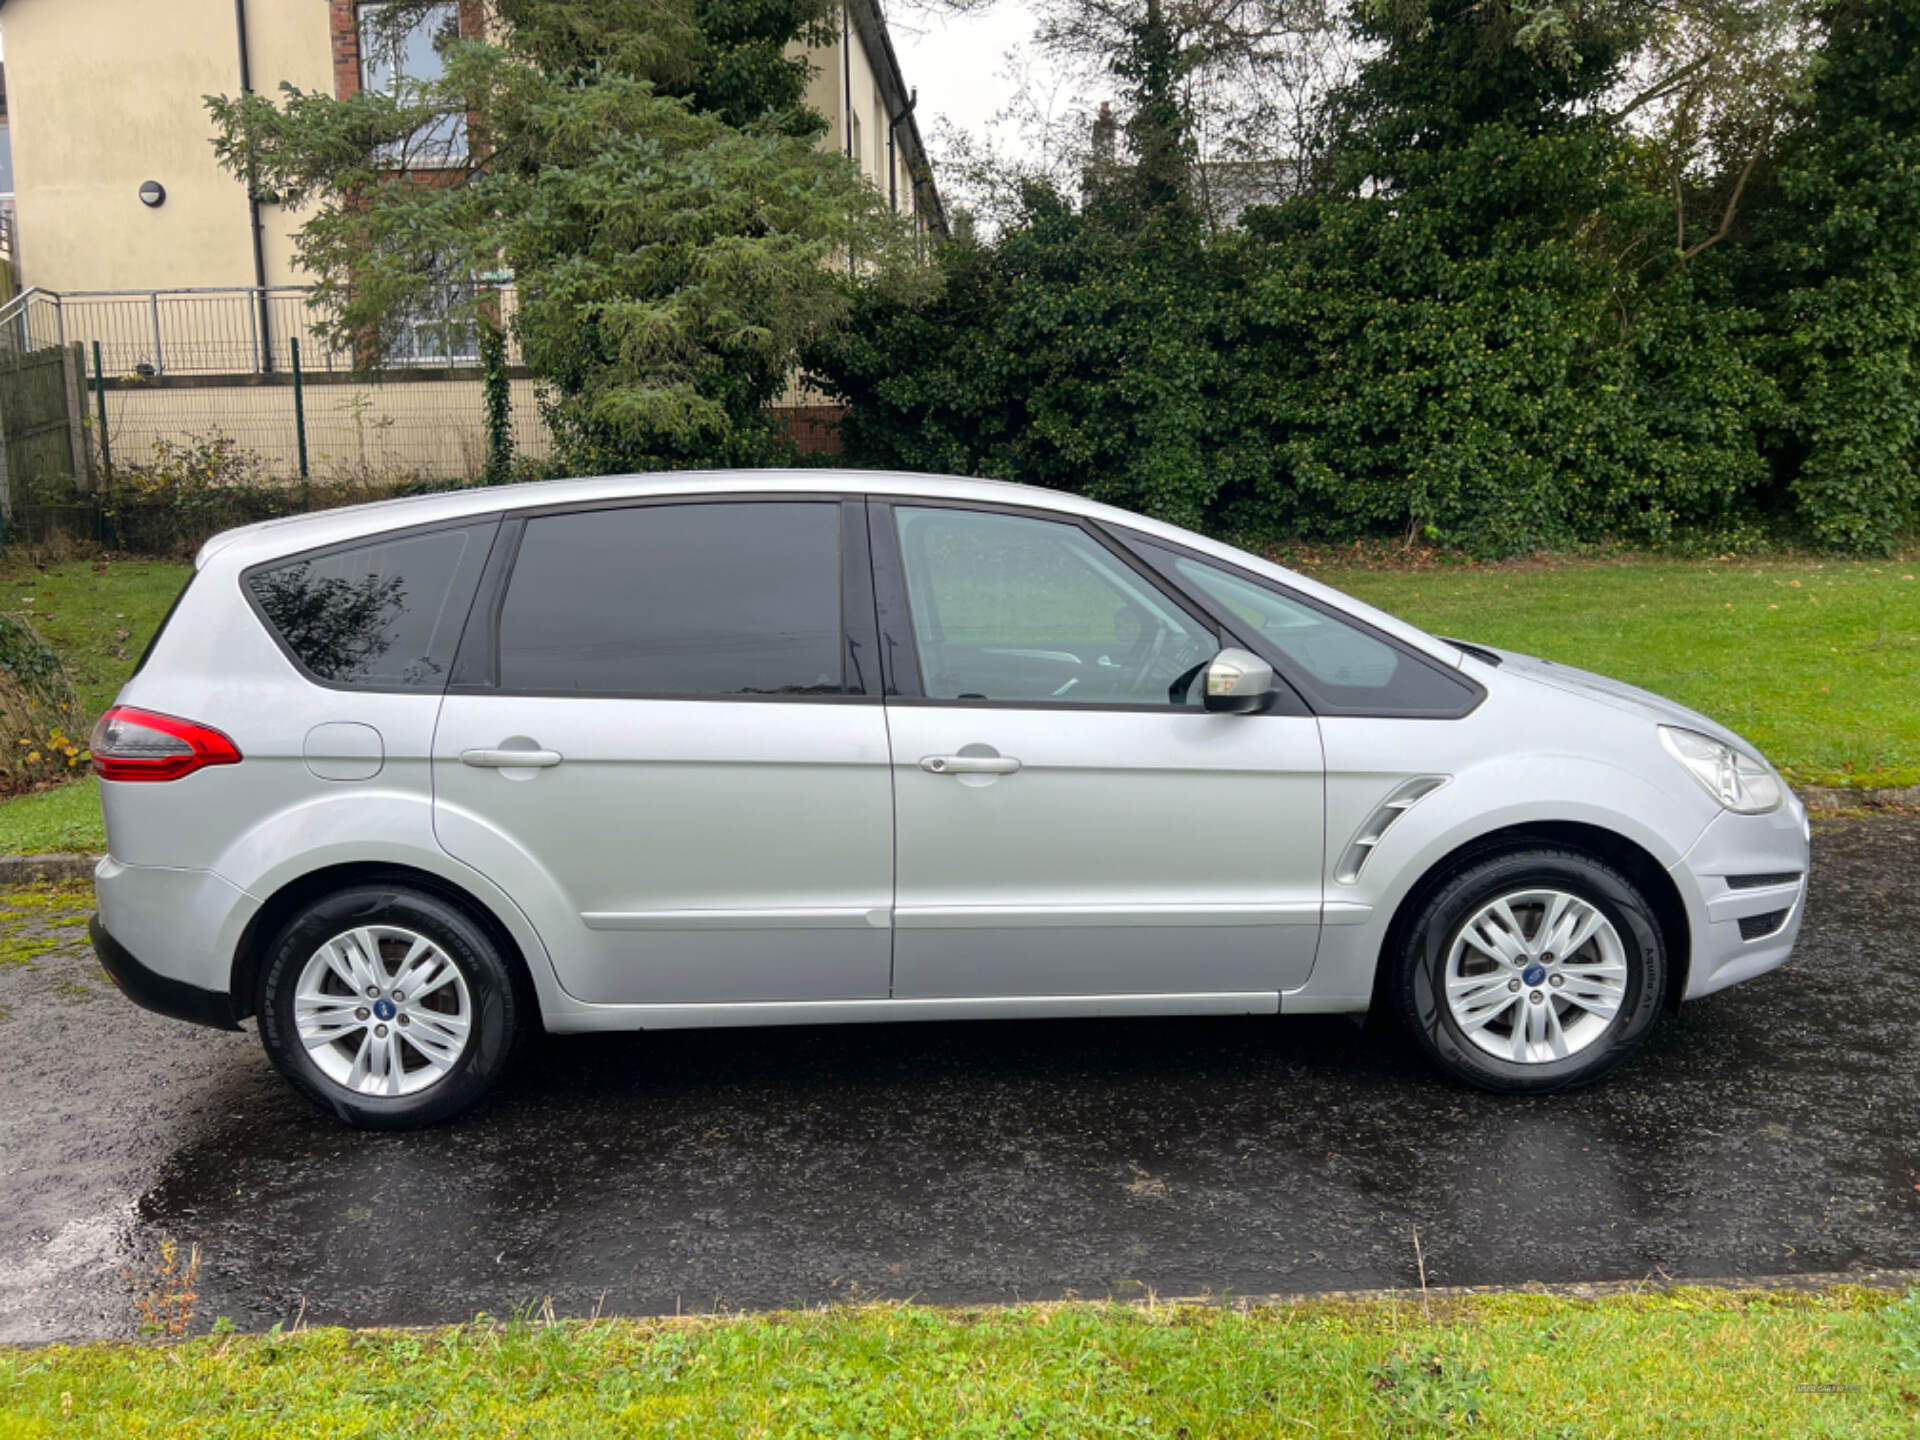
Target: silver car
(780,748)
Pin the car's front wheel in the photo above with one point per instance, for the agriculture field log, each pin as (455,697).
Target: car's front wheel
(1531,971)
(387,1006)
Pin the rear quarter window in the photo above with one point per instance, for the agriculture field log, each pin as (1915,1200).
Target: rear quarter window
(381,614)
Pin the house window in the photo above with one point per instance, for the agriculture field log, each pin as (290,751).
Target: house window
(403,54)
(438,329)
(853,138)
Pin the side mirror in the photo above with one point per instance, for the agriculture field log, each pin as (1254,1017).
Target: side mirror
(1239,683)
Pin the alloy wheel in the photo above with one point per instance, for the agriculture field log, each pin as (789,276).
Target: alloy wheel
(383,1010)
(1535,976)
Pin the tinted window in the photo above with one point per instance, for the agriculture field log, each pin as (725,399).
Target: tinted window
(712,599)
(386,614)
(1009,608)
(1341,667)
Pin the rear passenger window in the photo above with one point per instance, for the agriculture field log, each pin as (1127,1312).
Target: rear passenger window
(385,615)
(733,598)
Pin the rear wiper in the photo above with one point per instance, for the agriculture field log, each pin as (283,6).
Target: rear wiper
(1479,652)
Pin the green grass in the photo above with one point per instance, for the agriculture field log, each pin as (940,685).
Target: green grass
(98,614)
(63,819)
(1815,661)
(1692,1362)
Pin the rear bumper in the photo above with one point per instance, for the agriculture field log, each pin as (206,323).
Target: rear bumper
(157,992)
(169,937)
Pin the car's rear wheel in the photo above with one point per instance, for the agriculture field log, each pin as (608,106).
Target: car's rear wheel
(387,1006)
(1532,971)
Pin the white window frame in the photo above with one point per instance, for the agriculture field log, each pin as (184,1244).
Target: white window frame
(441,144)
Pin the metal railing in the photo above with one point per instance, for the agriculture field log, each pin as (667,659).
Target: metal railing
(241,330)
(9,246)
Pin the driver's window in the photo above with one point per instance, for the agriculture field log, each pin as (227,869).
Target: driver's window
(1008,608)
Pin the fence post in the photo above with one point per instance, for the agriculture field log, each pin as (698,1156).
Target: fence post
(6,478)
(100,399)
(159,359)
(73,366)
(299,408)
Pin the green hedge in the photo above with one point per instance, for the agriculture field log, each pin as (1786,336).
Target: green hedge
(1477,326)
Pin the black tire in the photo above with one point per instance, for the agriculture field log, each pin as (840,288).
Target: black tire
(1417,984)
(494,1010)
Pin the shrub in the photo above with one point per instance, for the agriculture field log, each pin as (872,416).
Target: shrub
(1480,322)
(191,489)
(40,717)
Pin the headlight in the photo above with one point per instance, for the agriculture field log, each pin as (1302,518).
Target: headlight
(1738,781)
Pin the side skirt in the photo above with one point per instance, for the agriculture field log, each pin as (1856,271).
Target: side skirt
(579,1018)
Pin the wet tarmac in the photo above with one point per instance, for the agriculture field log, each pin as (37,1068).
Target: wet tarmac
(1770,1130)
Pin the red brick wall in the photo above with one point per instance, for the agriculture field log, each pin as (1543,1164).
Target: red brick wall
(815,429)
(346,48)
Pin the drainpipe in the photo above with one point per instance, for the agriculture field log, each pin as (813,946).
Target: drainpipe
(893,165)
(253,202)
(846,69)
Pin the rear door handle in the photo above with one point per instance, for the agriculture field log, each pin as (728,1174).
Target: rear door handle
(969,764)
(510,759)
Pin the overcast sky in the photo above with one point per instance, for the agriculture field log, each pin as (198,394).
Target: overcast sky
(958,63)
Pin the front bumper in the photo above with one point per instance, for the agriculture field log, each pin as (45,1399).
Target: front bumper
(157,992)
(1745,885)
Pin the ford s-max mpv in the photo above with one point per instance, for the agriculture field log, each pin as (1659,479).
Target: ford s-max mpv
(403,781)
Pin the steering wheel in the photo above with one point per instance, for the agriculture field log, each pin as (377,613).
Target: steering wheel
(1137,682)
(1177,691)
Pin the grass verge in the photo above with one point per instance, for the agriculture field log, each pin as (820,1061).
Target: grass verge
(98,614)
(1698,1362)
(64,818)
(1815,661)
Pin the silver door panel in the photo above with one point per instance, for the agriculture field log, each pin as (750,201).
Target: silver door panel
(1071,954)
(1132,851)
(706,851)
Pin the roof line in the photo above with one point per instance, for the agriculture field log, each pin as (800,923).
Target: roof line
(878,43)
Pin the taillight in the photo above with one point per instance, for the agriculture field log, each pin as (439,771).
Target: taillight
(130,744)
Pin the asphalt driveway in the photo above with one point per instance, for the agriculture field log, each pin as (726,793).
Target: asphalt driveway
(1771,1130)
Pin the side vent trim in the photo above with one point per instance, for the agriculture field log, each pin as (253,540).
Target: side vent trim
(1401,799)
(1760,882)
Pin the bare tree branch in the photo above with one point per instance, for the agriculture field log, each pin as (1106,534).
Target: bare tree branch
(1663,87)
(1733,206)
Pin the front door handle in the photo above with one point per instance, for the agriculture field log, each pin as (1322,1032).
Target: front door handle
(510,759)
(969,764)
